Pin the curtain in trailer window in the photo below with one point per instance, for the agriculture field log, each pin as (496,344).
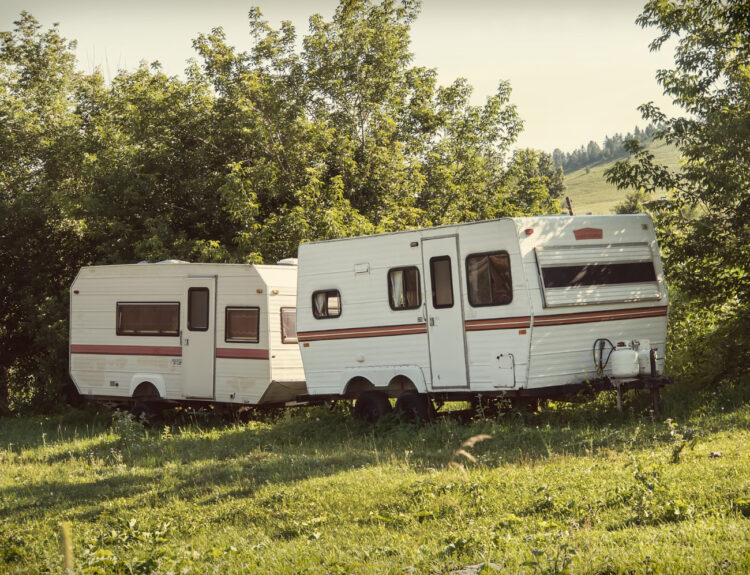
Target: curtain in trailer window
(397,288)
(242,324)
(403,288)
(320,304)
(488,279)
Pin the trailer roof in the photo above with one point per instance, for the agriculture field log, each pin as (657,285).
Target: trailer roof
(519,221)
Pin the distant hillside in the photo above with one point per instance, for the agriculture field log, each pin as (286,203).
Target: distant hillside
(590,192)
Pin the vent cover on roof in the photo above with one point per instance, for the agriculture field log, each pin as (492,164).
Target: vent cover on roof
(287,262)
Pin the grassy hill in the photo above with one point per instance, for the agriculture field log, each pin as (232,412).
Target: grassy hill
(565,490)
(590,192)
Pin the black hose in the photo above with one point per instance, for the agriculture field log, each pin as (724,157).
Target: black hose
(601,363)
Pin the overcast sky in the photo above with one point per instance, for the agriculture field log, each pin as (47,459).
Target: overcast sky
(578,68)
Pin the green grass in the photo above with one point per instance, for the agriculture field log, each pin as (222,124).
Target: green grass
(317,492)
(590,192)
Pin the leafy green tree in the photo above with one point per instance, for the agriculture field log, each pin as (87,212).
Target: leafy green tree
(705,227)
(40,155)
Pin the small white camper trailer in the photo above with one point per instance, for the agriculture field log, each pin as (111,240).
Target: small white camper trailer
(516,308)
(187,333)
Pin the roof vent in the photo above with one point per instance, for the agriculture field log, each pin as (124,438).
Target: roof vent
(287,262)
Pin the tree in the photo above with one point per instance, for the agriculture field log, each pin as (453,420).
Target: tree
(708,255)
(704,228)
(40,155)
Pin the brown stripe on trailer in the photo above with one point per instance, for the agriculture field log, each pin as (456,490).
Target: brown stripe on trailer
(497,323)
(230,353)
(376,331)
(597,316)
(159,350)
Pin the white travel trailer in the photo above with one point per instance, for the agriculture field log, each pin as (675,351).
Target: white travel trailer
(516,308)
(190,333)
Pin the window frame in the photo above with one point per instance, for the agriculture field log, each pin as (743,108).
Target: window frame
(230,308)
(510,274)
(191,290)
(390,288)
(432,282)
(288,340)
(326,291)
(118,331)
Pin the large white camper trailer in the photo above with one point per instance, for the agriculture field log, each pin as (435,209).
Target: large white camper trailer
(187,333)
(516,308)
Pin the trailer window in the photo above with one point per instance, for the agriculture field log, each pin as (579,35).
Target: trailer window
(488,279)
(403,288)
(442,282)
(242,324)
(326,304)
(150,319)
(198,309)
(598,274)
(288,325)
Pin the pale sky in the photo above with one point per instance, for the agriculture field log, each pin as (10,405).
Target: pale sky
(578,68)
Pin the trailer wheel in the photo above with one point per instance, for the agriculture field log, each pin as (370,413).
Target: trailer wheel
(371,406)
(147,412)
(415,406)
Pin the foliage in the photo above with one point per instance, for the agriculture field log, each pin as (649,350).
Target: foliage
(704,228)
(250,154)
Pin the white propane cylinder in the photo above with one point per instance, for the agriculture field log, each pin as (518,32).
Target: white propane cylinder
(624,361)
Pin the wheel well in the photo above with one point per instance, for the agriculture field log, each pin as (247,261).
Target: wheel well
(399,385)
(146,390)
(358,385)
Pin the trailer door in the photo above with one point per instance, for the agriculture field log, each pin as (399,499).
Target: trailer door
(444,312)
(198,337)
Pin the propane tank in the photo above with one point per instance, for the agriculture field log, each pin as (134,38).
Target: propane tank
(643,347)
(624,361)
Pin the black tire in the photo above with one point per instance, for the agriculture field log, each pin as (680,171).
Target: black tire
(147,412)
(371,406)
(415,407)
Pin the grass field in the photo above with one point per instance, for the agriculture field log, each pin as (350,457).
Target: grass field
(590,191)
(569,489)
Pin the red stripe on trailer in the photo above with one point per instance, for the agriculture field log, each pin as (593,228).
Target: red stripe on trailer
(230,353)
(126,350)
(378,331)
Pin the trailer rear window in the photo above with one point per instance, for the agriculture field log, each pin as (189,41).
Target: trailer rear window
(148,319)
(242,324)
(288,325)
(403,288)
(598,274)
(326,304)
(488,279)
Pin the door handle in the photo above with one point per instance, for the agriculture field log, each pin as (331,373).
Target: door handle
(432,321)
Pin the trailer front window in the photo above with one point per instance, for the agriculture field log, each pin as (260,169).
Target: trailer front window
(149,319)
(488,279)
(242,324)
(403,288)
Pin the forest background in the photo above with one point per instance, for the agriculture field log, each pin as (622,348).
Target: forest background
(254,152)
